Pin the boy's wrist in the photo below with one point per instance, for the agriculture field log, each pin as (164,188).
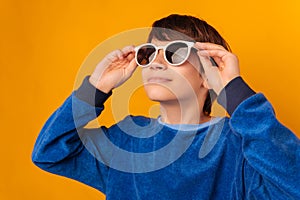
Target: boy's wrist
(234,93)
(90,94)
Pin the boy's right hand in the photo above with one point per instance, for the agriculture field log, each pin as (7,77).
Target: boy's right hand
(114,69)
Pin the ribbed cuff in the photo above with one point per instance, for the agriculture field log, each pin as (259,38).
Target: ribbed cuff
(234,93)
(88,93)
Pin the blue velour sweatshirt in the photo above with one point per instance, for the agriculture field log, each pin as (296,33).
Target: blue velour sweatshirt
(247,156)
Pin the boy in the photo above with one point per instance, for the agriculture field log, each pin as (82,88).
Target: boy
(185,153)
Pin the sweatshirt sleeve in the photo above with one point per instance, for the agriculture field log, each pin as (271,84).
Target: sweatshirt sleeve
(60,148)
(271,151)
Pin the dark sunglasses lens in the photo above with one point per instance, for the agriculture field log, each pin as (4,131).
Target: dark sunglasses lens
(176,53)
(145,54)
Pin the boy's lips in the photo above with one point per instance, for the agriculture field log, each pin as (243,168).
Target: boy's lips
(158,80)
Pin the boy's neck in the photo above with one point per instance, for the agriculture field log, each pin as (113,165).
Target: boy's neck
(176,112)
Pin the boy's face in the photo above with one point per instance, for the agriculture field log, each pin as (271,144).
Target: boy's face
(167,83)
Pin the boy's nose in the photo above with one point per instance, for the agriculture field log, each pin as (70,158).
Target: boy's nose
(159,63)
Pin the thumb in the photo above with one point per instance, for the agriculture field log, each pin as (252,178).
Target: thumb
(131,67)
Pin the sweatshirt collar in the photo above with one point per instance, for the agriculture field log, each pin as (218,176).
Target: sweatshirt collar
(190,127)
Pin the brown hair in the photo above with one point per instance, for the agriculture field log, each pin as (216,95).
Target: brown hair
(190,28)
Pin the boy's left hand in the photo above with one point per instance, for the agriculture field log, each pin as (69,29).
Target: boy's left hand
(228,65)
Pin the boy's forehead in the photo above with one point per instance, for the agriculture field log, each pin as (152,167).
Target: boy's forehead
(159,42)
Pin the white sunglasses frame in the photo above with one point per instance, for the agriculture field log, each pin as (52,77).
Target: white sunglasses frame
(189,44)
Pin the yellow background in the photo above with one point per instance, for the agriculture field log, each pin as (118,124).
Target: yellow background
(43,44)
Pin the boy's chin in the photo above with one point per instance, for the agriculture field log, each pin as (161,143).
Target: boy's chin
(159,93)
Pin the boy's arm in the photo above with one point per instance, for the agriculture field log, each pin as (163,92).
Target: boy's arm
(59,148)
(271,151)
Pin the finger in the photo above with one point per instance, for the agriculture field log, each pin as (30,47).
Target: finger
(126,60)
(211,73)
(114,55)
(131,66)
(213,53)
(123,63)
(119,55)
(204,59)
(128,49)
(130,56)
(208,64)
(217,55)
(208,46)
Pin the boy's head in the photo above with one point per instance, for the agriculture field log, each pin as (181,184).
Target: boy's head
(183,27)
(192,27)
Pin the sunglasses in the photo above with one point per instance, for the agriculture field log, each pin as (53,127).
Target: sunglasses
(175,53)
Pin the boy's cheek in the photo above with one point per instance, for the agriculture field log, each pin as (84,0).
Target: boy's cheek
(145,75)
